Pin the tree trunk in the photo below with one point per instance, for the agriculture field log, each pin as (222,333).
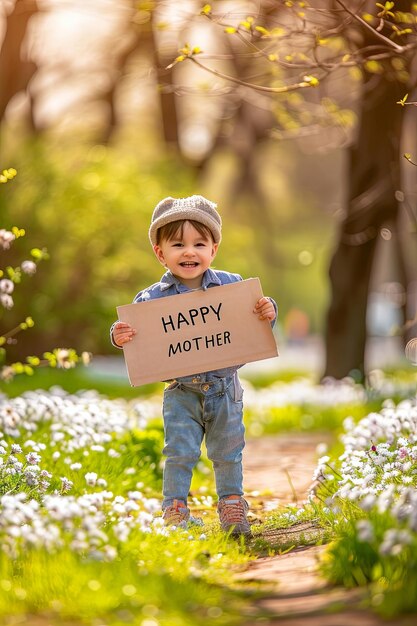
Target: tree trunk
(373,179)
(15,72)
(167,99)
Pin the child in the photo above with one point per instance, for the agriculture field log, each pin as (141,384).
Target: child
(185,234)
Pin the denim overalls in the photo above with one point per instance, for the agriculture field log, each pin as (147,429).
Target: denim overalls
(194,407)
(202,405)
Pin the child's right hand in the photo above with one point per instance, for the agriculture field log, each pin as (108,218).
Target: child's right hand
(123,333)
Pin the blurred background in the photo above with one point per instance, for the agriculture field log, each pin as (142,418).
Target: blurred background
(287,114)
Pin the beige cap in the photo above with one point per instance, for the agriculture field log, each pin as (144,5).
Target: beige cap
(195,208)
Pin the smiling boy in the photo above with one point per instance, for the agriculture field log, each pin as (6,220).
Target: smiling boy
(185,234)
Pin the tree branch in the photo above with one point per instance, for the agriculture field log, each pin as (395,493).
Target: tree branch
(377,34)
(233,79)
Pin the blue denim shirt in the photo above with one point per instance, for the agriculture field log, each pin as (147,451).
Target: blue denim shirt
(169,285)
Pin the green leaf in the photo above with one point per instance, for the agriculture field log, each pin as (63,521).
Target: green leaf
(264,32)
(247,24)
(18,232)
(33,360)
(403,100)
(374,67)
(18,367)
(39,255)
(311,80)
(367,17)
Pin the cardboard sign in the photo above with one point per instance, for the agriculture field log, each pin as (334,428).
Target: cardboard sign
(196,332)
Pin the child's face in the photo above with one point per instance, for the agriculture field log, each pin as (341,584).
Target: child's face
(187,256)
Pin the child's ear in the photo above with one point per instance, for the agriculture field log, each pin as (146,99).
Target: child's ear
(159,254)
(214,250)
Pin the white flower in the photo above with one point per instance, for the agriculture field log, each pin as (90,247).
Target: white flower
(6,300)
(66,484)
(323,460)
(365,531)
(85,358)
(91,478)
(28,267)
(368,502)
(33,458)
(121,531)
(321,448)
(6,238)
(63,358)
(7,373)
(152,505)
(134,495)
(6,285)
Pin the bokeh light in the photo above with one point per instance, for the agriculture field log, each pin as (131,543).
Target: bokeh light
(305,257)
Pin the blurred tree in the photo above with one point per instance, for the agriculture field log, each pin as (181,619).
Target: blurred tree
(373,180)
(168,106)
(134,37)
(287,69)
(140,41)
(91,210)
(311,45)
(244,127)
(16,69)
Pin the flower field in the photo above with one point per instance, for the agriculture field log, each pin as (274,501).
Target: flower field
(80,529)
(370,496)
(80,526)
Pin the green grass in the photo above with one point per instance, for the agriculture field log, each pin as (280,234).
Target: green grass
(77,379)
(171,580)
(261,379)
(82,378)
(305,418)
(180,578)
(183,578)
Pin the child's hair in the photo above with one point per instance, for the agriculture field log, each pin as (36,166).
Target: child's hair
(175,229)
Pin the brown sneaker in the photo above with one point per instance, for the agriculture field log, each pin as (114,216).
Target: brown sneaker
(232,512)
(177,514)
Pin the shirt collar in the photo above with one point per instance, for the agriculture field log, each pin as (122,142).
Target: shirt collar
(168,280)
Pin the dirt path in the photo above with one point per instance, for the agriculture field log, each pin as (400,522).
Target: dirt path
(281,467)
(272,464)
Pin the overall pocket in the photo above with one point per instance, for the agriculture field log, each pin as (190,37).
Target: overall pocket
(234,390)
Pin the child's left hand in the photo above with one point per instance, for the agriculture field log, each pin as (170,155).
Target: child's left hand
(265,309)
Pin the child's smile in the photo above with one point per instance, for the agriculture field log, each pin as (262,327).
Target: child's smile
(187,256)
